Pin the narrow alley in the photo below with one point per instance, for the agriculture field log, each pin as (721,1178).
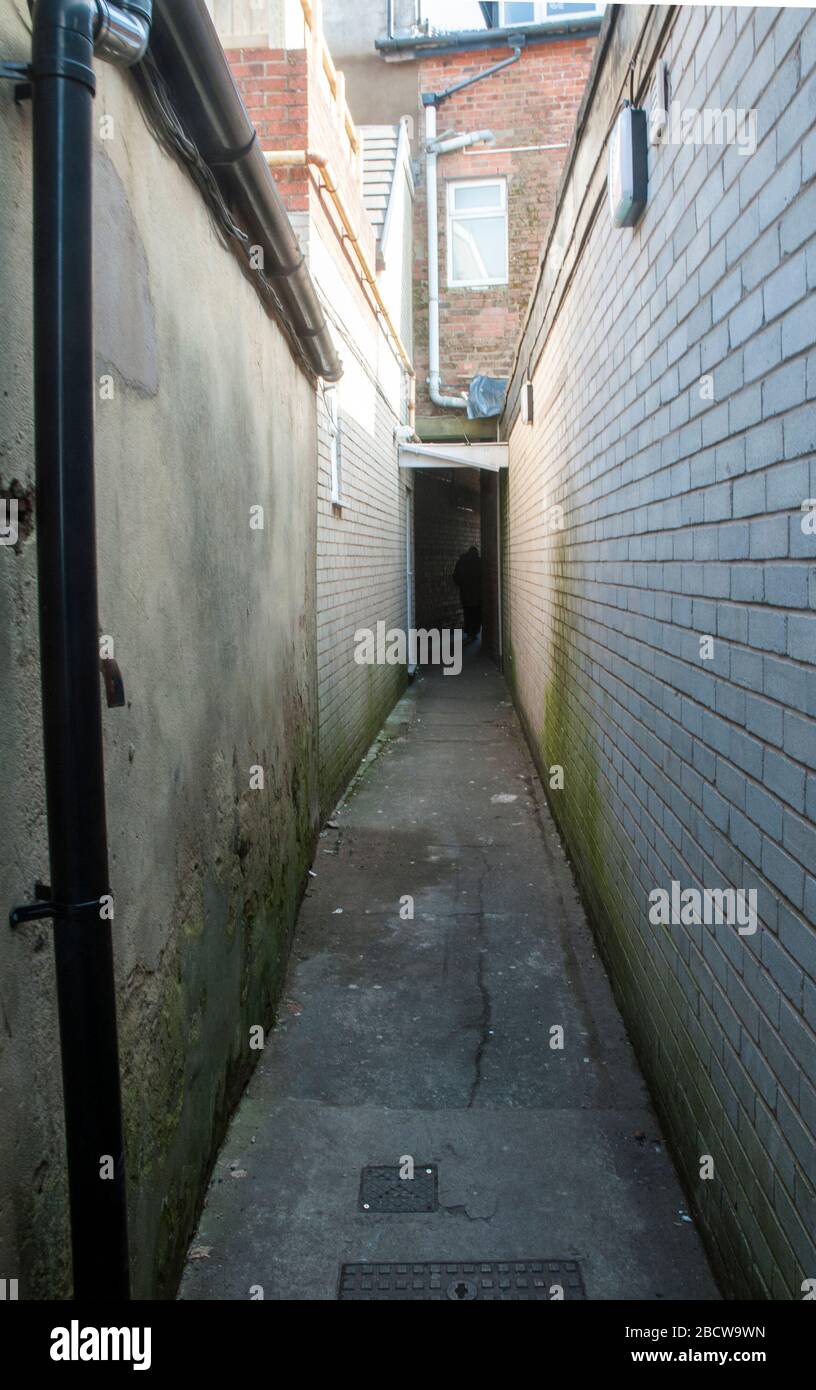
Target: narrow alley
(408,679)
(432,1038)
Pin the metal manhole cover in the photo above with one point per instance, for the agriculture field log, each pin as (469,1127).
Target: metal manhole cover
(382,1189)
(500,1280)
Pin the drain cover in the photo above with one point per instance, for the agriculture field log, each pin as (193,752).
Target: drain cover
(514,1280)
(382,1189)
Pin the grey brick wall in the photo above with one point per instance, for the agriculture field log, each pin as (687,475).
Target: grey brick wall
(682,517)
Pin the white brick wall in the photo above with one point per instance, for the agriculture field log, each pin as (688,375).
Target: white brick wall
(361,554)
(682,517)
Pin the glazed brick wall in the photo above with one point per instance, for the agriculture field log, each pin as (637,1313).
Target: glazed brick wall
(490,565)
(682,517)
(534,102)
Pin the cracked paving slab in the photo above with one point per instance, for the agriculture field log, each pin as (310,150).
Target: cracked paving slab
(431,1037)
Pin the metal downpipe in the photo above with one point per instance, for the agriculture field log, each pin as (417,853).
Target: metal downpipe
(77,901)
(434,375)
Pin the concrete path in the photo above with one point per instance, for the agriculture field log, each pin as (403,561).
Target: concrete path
(431,1038)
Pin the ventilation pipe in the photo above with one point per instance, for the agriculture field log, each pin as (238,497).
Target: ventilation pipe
(122,32)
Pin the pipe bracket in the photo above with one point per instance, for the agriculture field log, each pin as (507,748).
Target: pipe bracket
(20,75)
(282,272)
(15,72)
(44,909)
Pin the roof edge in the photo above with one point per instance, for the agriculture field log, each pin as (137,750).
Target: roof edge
(490,38)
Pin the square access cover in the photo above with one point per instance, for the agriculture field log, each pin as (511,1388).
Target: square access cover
(382,1189)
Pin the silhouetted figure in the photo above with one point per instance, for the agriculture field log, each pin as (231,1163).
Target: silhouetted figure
(468,577)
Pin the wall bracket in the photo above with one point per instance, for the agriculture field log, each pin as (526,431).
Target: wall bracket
(43,908)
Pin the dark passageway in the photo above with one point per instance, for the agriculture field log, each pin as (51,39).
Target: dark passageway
(431,1036)
(455,510)
(447,522)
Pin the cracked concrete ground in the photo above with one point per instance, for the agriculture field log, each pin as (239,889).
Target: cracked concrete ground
(431,1037)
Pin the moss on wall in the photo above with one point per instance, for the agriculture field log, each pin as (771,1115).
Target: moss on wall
(186,1054)
(349,744)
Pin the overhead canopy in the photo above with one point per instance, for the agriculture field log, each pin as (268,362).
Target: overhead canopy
(490,457)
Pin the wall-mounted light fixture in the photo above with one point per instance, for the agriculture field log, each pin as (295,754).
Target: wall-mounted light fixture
(526,403)
(628,167)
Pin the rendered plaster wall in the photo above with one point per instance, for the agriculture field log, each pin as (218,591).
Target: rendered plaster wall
(214,631)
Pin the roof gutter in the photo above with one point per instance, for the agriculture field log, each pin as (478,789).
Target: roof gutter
(189,56)
(416,45)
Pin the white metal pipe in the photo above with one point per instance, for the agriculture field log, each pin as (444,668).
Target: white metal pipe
(434,378)
(520,149)
(451,143)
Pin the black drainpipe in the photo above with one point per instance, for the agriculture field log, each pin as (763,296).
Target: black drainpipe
(436,98)
(63,85)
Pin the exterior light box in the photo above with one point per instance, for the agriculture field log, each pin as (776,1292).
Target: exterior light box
(628,167)
(526,403)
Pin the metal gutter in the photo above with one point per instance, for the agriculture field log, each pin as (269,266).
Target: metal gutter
(188,54)
(416,45)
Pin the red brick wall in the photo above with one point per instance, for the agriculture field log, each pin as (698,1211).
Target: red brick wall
(274,84)
(534,102)
(292,110)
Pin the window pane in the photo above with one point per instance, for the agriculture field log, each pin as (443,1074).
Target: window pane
(484,196)
(578,7)
(479,249)
(518,14)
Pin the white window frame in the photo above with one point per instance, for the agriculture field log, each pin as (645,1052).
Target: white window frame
(335,448)
(462,215)
(542,17)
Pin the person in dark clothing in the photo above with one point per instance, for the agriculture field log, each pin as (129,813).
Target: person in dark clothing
(468,577)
